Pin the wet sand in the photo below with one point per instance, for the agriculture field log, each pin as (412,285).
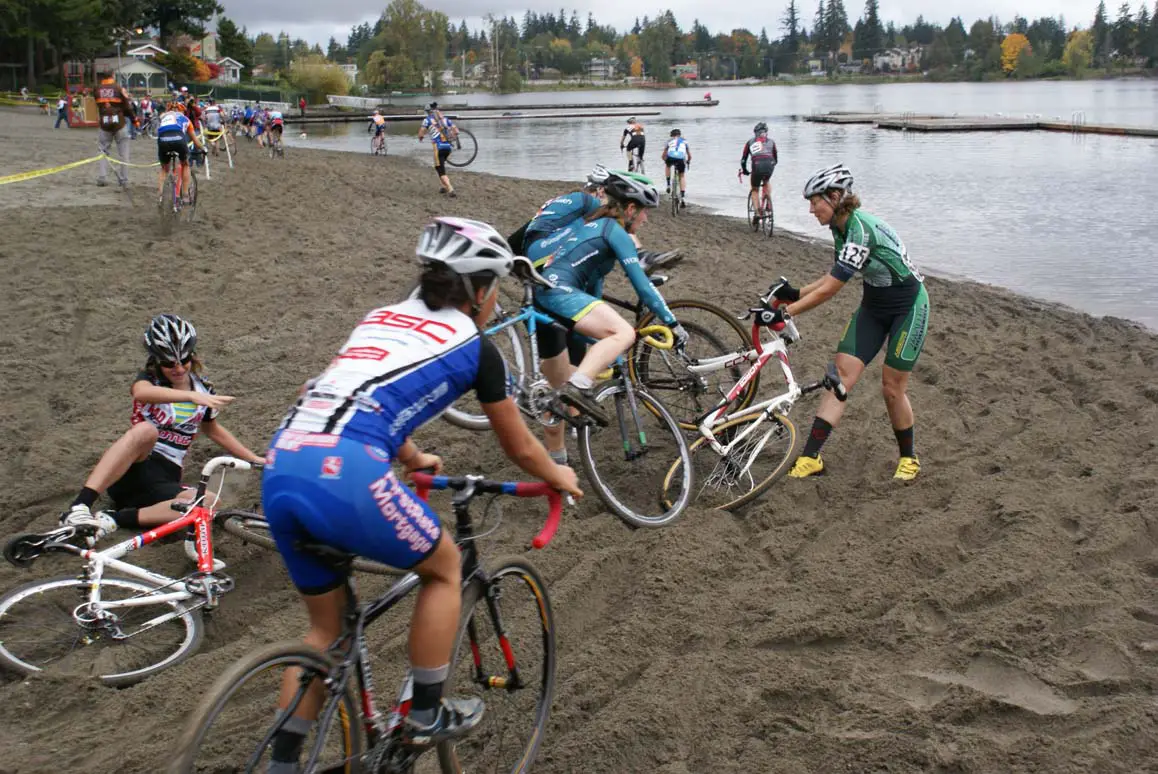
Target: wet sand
(999,614)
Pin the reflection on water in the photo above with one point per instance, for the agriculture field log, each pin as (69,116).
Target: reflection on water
(1061,217)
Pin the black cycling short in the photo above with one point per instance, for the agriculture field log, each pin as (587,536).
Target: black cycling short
(681,165)
(146,483)
(440,157)
(762,173)
(167,145)
(636,141)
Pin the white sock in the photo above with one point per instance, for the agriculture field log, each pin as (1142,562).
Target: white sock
(582,381)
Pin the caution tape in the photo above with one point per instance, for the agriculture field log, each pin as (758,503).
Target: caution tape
(21,176)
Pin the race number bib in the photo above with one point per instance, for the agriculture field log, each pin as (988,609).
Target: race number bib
(756,147)
(853,256)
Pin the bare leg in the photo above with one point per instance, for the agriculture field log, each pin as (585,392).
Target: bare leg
(134,446)
(325,611)
(894,386)
(850,370)
(435,617)
(613,335)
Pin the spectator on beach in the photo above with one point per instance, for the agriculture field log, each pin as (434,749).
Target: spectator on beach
(62,112)
(302,106)
(115,108)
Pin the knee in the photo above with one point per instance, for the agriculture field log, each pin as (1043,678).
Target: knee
(444,565)
(892,391)
(142,435)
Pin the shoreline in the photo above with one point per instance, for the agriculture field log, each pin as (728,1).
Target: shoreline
(998,605)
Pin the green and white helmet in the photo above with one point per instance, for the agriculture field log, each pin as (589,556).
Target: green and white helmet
(630,188)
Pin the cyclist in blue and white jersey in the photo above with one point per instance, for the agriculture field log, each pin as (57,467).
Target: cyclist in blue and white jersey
(328,476)
(576,259)
(174,133)
(443,133)
(561,211)
(677,154)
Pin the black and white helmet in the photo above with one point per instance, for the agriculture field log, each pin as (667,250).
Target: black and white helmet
(837,176)
(465,246)
(630,188)
(169,339)
(760,128)
(598,175)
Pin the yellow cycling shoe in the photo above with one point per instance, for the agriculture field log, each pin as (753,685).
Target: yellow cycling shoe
(907,469)
(807,466)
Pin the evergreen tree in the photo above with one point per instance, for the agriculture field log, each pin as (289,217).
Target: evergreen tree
(1122,36)
(820,28)
(790,23)
(871,37)
(1101,33)
(835,25)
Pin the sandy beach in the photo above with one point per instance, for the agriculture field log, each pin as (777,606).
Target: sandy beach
(999,614)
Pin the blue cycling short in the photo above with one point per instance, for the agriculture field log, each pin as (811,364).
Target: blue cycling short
(566,303)
(343,493)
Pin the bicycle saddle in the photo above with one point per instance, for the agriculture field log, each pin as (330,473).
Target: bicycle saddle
(525,270)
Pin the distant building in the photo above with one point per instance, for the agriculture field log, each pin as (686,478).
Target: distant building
(690,71)
(816,66)
(898,60)
(351,71)
(602,68)
(230,70)
(148,51)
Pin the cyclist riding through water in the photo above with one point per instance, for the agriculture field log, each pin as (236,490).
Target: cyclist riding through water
(677,154)
(328,477)
(576,259)
(443,133)
(377,124)
(174,133)
(172,402)
(634,141)
(762,150)
(894,308)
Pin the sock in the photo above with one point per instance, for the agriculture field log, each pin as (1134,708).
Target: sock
(427,692)
(820,430)
(287,744)
(560,456)
(128,518)
(87,497)
(905,441)
(582,381)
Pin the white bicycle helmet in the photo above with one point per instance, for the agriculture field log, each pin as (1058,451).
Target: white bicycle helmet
(170,339)
(465,247)
(628,187)
(598,175)
(837,176)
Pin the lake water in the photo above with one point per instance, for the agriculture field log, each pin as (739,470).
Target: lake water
(1067,218)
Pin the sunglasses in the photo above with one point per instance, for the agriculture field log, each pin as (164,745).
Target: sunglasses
(173,364)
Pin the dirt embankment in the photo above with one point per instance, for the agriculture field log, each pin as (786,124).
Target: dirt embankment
(993,616)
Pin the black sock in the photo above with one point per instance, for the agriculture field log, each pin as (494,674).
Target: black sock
(128,518)
(86,497)
(905,441)
(820,430)
(426,698)
(287,746)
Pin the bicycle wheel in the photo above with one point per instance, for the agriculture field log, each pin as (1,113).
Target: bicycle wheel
(167,205)
(712,332)
(769,219)
(466,412)
(190,209)
(120,646)
(250,527)
(227,731)
(753,220)
(511,613)
(761,456)
(466,148)
(626,461)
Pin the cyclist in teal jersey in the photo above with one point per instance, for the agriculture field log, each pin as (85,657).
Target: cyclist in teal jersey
(561,211)
(576,259)
(895,308)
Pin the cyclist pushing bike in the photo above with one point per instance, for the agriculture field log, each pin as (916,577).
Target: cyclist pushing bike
(576,259)
(894,308)
(329,478)
(762,150)
(443,133)
(174,133)
(635,143)
(172,402)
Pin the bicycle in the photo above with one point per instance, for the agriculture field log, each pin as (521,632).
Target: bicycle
(677,202)
(761,215)
(378,145)
(366,739)
(711,331)
(171,203)
(276,148)
(126,614)
(735,438)
(622,452)
(471,148)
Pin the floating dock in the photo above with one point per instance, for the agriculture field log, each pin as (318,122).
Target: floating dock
(913,122)
(587,106)
(506,115)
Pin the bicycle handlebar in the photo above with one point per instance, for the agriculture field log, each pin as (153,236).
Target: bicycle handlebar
(225,461)
(424,482)
(658,336)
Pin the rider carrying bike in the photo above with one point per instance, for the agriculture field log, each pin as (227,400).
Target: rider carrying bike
(576,259)
(634,141)
(895,308)
(677,154)
(561,211)
(443,133)
(762,151)
(174,133)
(141,471)
(329,479)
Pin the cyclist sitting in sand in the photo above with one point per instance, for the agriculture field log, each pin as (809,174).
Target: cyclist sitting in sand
(172,402)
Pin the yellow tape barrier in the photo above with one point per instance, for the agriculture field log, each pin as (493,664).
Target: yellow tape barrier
(21,176)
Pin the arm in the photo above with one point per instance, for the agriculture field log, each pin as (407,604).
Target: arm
(815,293)
(223,438)
(523,449)
(621,244)
(689,150)
(775,154)
(744,156)
(145,391)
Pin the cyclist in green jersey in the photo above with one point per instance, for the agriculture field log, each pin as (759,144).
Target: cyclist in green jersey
(895,308)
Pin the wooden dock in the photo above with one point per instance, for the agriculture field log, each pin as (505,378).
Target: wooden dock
(355,116)
(586,106)
(912,122)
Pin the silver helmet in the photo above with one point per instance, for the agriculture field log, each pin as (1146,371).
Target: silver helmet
(169,339)
(629,188)
(465,247)
(837,176)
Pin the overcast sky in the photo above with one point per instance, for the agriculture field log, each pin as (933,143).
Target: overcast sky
(317,20)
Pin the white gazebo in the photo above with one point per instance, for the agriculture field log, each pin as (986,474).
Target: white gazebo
(230,70)
(143,74)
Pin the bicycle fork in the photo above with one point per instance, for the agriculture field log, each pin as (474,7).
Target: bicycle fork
(513,681)
(630,452)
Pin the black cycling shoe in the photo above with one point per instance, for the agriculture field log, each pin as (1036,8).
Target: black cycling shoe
(576,397)
(456,718)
